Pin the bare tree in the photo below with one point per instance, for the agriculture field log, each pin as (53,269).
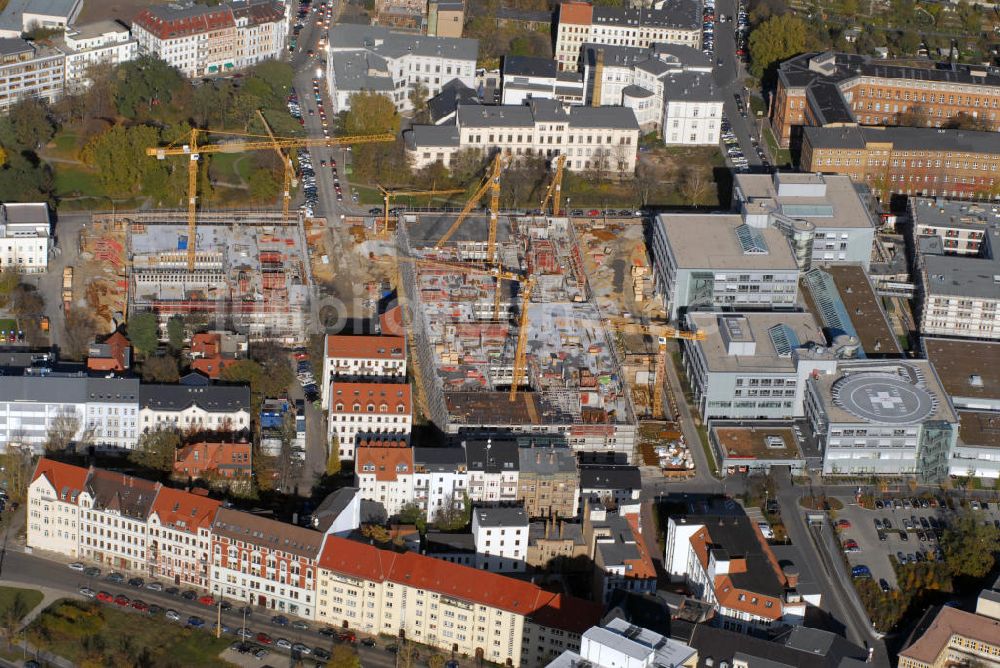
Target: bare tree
(695,187)
(620,157)
(62,432)
(80,330)
(645,182)
(19,463)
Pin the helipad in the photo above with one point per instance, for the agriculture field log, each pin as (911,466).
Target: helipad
(883,399)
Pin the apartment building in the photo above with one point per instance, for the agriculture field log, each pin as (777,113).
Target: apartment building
(376,59)
(440,480)
(385,475)
(721,262)
(500,535)
(836,89)
(114,508)
(25,237)
(445,19)
(265,562)
(180,537)
(579,23)
(493,470)
(222,460)
(28,70)
(523,78)
(754,365)
(365,411)
(53,515)
(668,86)
(193,406)
(620,558)
(548,482)
(21,16)
(722,556)
(88,45)
(202,40)
(614,484)
(957,247)
(954,637)
(100,411)
(875,417)
(907,161)
(602,139)
(449,606)
(380,359)
(827,217)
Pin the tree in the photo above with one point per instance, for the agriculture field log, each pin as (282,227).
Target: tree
(411,513)
(143,83)
(79,332)
(376,532)
(695,186)
(62,431)
(372,113)
(25,178)
(32,124)
(909,42)
(775,40)
(160,369)
(9,280)
(418,98)
(343,656)
(970,547)
(18,464)
(143,332)
(333,465)
(966,121)
(264,186)
(12,617)
(645,182)
(119,155)
(914,117)
(176,334)
(156,450)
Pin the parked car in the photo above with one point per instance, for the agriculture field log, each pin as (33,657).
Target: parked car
(280,620)
(300,625)
(92,572)
(283,643)
(88,592)
(884,585)
(104,597)
(195,622)
(154,586)
(141,606)
(77,566)
(122,600)
(136,582)
(861,571)
(207,599)
(264,639)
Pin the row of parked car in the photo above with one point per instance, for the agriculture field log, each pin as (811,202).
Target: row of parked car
(304,372)
(708,28)
(731,144)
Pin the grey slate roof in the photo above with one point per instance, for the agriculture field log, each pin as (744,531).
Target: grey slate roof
(129,496)
(691,87)
(547,461)
(446,102)
(382,41)
(609,477)
(437,542)
(12,16)
(685,14)
(429,136)
(360,70)
(332,506)
(905,139)
(503,516)
(10,46)
(445,460)
(74,389)
(268,533)
(211,398)
(500,456)
(546,111)
(528,66)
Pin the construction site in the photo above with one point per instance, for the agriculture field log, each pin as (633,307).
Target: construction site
(250,274)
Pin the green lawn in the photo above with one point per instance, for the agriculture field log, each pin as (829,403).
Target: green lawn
(80,631)
(75,181)
(782,156)
(63,146)
(29,599)
(8,324)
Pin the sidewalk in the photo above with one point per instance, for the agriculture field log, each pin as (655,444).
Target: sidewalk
(49,596)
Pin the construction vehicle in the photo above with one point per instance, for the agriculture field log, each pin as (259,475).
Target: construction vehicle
(554,192)
(661,333)
(388,194)
(243,142)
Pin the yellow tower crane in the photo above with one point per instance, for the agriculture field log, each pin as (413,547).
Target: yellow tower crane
(243,142)
(388,194)
(527,283)
(662,333)
(490,184)
(286,165)
(554,192)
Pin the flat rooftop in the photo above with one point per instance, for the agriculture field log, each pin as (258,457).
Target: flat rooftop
(885,392)
(828,200)
(774,335)
(949,213)
(710,241)
(960,363)
(859,311)
(980,428)
(760,443)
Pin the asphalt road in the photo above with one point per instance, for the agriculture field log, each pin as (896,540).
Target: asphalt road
(729,78)
(29,569)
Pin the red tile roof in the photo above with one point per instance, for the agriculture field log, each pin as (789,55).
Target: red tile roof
(168,23)
(348,557)
(211,366)
(118,354)
(951,622)
(581,13)
(391,322)
(206,344)
(183,510)
(387,462)
(643,567)
(366,347)
(62,477)
(196,458)
(392,395)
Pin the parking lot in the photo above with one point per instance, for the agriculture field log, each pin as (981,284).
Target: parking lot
(911,535)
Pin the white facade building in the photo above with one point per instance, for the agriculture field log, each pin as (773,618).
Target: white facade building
(377,359)
(21,16)
(619,644)
(365,411)
(603,139)
(581,23)
(99,411)
(440,479)
(101,43)
(194,408)
(25,237)
(501,539)
(29,70)
(494,470)
(180,538)
(261,29)
(113,511)
(375,59)
(53,521)
(384,474)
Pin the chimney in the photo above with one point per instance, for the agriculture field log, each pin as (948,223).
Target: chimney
(791,573)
